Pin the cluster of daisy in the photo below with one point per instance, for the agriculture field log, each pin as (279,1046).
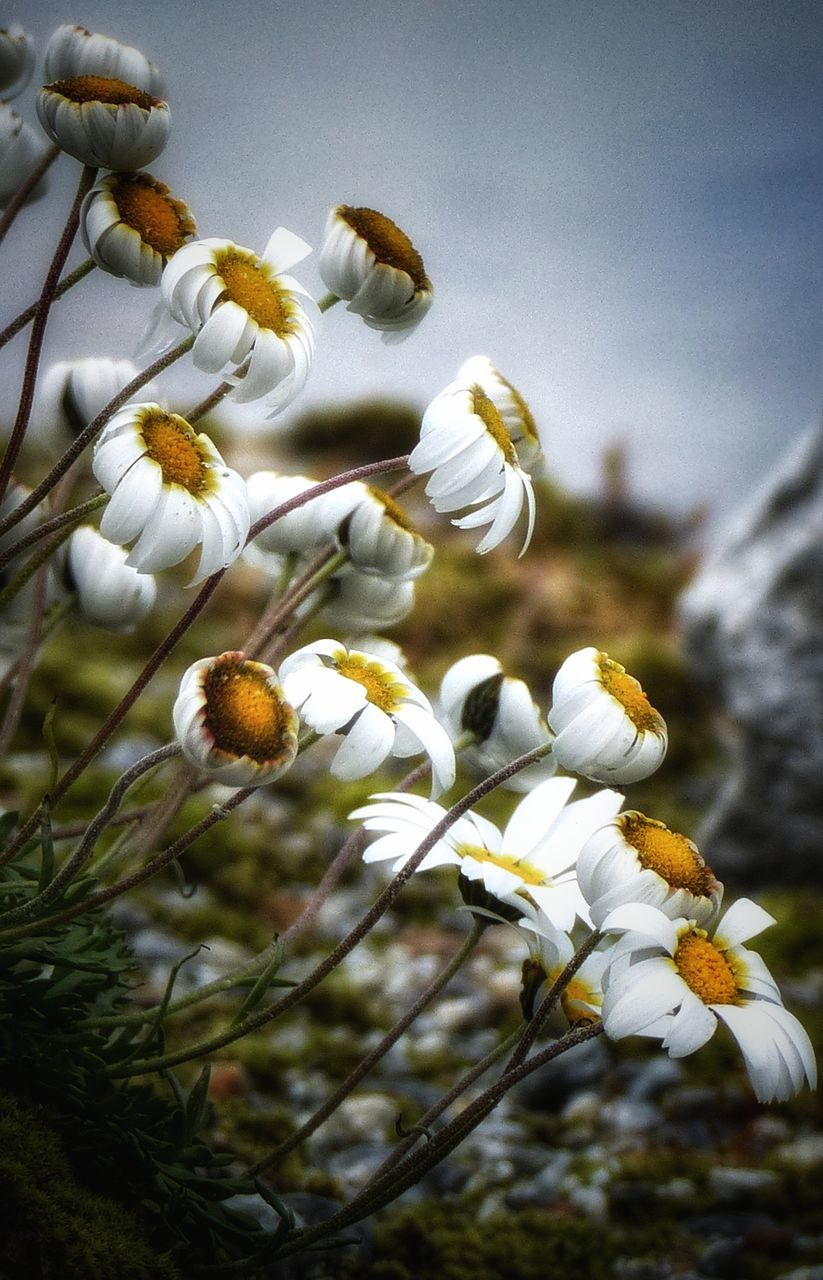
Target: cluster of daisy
(659,959)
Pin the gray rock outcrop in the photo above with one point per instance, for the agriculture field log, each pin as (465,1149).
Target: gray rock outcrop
(753,629)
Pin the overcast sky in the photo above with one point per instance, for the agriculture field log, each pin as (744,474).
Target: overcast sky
(619,202)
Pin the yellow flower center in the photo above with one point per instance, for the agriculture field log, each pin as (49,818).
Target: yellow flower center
(173,445)
(487,412)
(393,510)
(675,858)
(527,873)
(146,207)
(114,93)
(616,680)
(245,712)
(390,246)
(705,969)
(383,690)
(252,288)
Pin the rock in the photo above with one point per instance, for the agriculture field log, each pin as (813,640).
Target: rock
(803,1153)
(728,1185)
(751,622)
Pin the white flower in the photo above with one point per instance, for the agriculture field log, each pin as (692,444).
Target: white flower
(16,60)
(364,602)
(21,150)
(530,867)
(476,697)
(606,729)
(550,950)
(243,308)
(509,403)
(74,392)
(132,225)
(381,540)
(368,261)
(673,981)
(232,719)
(171,490)
(103,121)
(372,703)
(637,859)
(74,51)
(465,444)
(109,592)
(305,529)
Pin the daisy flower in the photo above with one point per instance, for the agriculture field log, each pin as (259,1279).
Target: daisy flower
(550,950)
(132,225)
(381,539)
(477,697)
(466,445)
(16,60)
(21,150)
(109,592)
(606,728)
(372,703)
(104,121)
(637,859)
(307,528)
(74,51)
(509,403)
(368,261)
(673,981)
(246,312)
(74,392)
(171,490)
(233,721)
(363,602)
(530,867)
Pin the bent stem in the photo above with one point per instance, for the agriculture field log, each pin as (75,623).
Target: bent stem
(379,1051)
(26,316)
(23,192)
(38,331)
(356,935)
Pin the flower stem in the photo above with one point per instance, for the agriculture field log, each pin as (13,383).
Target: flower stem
(379,1051)
(24,191)
(281,610)
(65,284)
(211,402)
(71,518)
(328,301)
(356,935)
(38,331)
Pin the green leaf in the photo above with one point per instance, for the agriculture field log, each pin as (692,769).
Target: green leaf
(262,984)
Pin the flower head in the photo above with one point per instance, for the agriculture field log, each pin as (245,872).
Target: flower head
(74,392)
(509,403)
(363,602)
(550,950)
(74,51)
(16,60)
(368,261)
(673,981)
(171,490)
(605,726)
(381,539)
(372,703)
(530,867)
(477,697)
(109,592)
(233,720)
(132,225)
(637,859)
(249,317)
(104,121)
(21,150)
(305,529)
(466,445)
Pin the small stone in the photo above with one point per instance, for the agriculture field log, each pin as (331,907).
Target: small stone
(729,1184)
(803,1153)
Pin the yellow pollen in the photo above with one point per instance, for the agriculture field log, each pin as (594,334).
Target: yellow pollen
(114,93)
(146,206)
(381,687)
(628,692)
(244,714)
(388,243)
(249,285)
(527,873)
(705,969)
(675,858)
(393,510)
(486,410)
(173,445)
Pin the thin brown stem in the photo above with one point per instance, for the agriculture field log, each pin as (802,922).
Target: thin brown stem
(73,517)
(28,315)
(23,192)
(211,402)
(38,331)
